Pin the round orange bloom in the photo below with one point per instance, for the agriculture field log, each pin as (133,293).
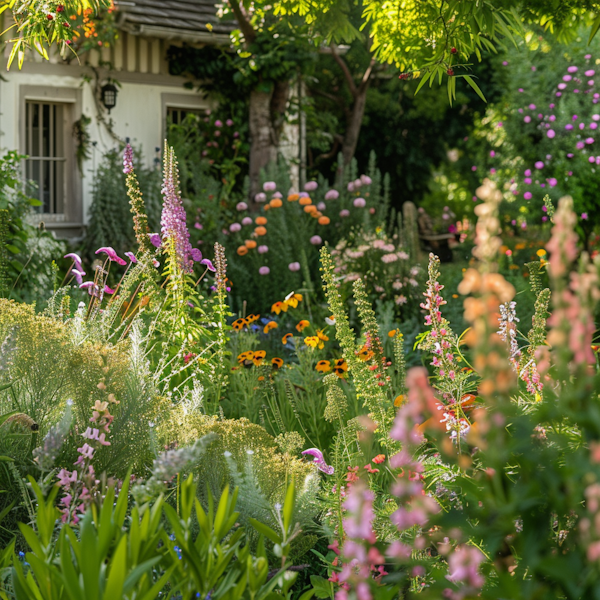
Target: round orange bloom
(261,220)
(266,207)
(324,220)
(242,250)
(323,366)
(311,208)
(305,201)
(316,214)
(277,362)
(260,230)
(250,244)
(276,203)
(302,325)
(293,197)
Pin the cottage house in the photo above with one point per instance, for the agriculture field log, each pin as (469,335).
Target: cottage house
(41,103)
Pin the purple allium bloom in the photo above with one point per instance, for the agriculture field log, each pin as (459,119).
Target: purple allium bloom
(303,195)
(567,78)
(315,240)
(108,290)
(539,165)
(76,259)
(344,213)
(128,160)
(580,145)
(473,168)
(492,153)
(582,126)
(111,254)
(229,122)
(131,257)
(552,118)
(319,460)
(562,86)
(520,110)
(332,195)
(295,266)
(591,159)
(527,180)
(260,197)
(532,107)
(269,186)
(241,206)
(235,227)
(79,275)
(527,119)
(218,123)
(568,126)
(584,216)
(366,180)
(247,221)
(552,183)
(527,195)
(311,186)
(550,133)
(527,173)
(505,63)
(351,187)
(208,264)
(264,271)
(558,94)
(155,240)
(277,195)
(263,249)
(572,69)
(589,140)
(195,255)
(173,218)
(321,206)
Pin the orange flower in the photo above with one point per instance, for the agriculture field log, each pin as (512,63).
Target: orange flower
(250,244)
(322,336)
(286,337)
(259,356)
(278,307)
(392,333)
(399,401)
(293,197)
(292,299)
(305,201)
(277,362)
(324,220)
(252,318)
(261,378)
(302,325)
(315,214)
(323,366)
(379,459)
(261,220)
(242,250)
(270,325)
(239,324)
(340,367)
(246,357)
(313,341)
(260,230)
(266,207)
(311,208)
(276,203)
(365,354)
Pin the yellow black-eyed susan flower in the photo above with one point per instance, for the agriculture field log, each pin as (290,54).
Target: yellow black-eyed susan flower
(323,366)
(302,325)
(292,299)
(245,356)
(286,337)
(276,362)
(252,318)
(340,367)
(313,341)
(270,325)
(259,356)
(365,354)
(239,324)
(278,307)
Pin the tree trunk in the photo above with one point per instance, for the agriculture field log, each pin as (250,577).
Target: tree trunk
(267,115)
(354,123)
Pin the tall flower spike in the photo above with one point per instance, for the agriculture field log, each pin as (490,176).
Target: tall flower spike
(173,219)
(136,201)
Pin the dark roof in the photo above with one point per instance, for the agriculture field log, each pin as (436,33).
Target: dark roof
(178,19)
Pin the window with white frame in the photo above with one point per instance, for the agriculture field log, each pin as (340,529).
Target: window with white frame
(46,154)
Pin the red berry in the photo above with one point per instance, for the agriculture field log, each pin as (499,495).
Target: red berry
(50,17)
(68,42)
(66,24)
(60,8)
(453,50)
(450,72)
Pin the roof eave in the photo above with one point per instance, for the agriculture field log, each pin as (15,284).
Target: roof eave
(168,33)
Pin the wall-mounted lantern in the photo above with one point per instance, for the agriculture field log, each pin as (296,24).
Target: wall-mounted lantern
(108,95)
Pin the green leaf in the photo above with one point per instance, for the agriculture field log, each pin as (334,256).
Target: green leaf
(288,507)
(423,81)
(470,81)
(321,587)
(266,531)
(594,30)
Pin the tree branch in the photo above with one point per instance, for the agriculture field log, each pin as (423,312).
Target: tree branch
(243,21)
(344,67)
(367,75)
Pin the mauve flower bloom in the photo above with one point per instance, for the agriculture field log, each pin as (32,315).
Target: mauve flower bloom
(260,197)
(492,153)
(316,240)
(111,254)
(527,195)
(218,123)
(558,94)
(79,275)
(572,69)
(351,187)
(593,125)
(539,165)
(344,213)
(236,227)
(311,186)
(359,202)
(579,145)
(155,240)
(357,183)
(247,221)
(567,78)
(319,460)
(332,195)
(321,206)
(366,180)
(303,195)
(552,182)
(241,206)
(527,172)
(474,168)
(527,119)
(591,159)
(589,140)
(195,255)
(217,134)
(277,195)
(131,257)
(208,264)
(295,266)
(562,86)
(76,260)
(269,186)
(552,118)
(527,180)
(532,107)
(550,133)
(264,271)
(263,249)
(568,126)
(108,290)
(505,63)
(127,160)
(584,216)
(229,122)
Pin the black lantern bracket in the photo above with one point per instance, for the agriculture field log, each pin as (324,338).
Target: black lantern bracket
(108,95)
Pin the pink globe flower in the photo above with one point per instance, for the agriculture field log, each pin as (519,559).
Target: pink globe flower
(311,186)
(351,186)
(550,133)
(357,184)
(218,123)
(584,216)
(315,240)
(229,122)
(247,221)
(332,195)
(263,249)
(359,202)
(527,119)
(321,206)
(366,180)
(241,206)
(269,186)
(260,197)
(235,227)
(527,195)
(277,195)
(295,266)
(264,271)
(552,183)
(539,165)
(572,69)
(344,213)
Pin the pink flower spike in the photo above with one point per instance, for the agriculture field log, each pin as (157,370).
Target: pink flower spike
(208,264)
(76,259)
(155,240)
(111,254)
(131,257)
(79,275)
(108,290)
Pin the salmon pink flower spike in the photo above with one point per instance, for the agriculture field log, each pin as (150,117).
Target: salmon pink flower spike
(111,254)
